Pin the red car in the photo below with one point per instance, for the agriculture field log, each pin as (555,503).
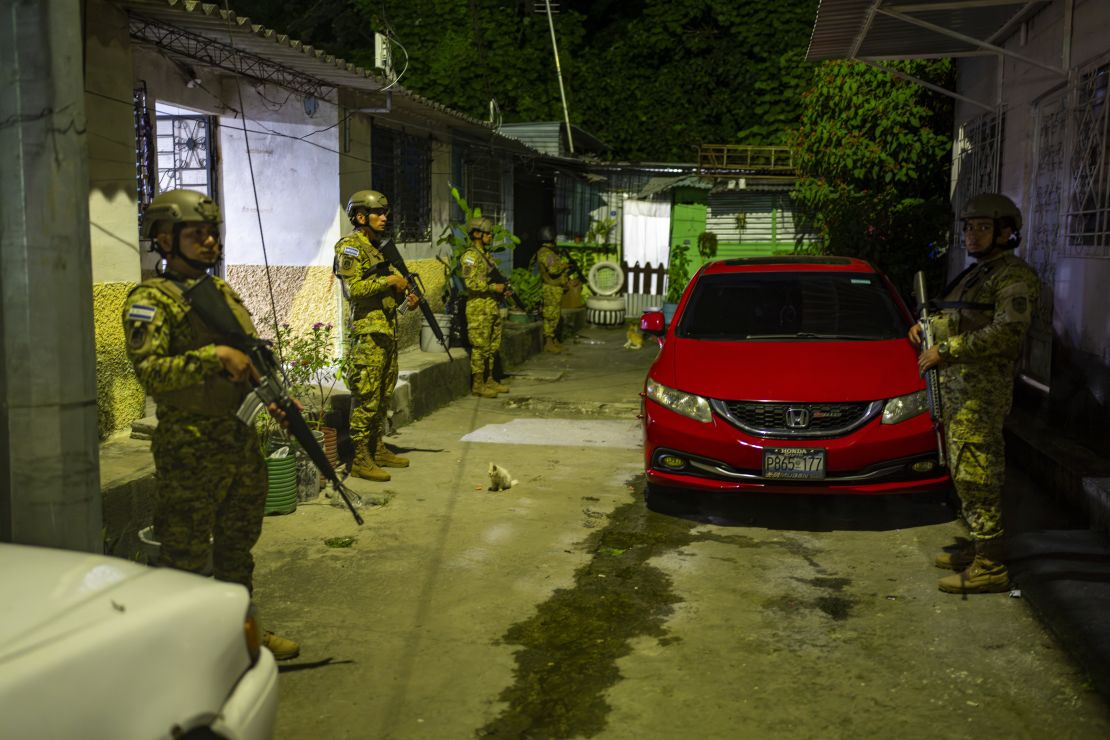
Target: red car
(788,375)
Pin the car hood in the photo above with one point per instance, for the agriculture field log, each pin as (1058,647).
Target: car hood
(790,371)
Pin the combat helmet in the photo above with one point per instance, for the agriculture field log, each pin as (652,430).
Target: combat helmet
(995,206)
(479,223)
(366,199)
(547,235)
(179,207)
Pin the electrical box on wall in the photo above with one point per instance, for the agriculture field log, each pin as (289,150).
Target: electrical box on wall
(383,55)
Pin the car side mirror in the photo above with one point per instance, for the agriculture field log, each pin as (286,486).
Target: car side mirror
(651,322)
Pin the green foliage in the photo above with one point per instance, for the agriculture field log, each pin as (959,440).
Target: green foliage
(707,245)
(311,372)
(455,238)
(599,231)
(874,152)
(678,272)
(528,287)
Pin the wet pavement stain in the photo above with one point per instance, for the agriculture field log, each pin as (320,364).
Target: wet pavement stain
(570,647)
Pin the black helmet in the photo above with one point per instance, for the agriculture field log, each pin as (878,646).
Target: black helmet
(547,234)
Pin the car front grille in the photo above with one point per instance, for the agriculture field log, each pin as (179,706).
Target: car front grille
(785,420)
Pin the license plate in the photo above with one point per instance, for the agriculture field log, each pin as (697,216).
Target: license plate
(794,463)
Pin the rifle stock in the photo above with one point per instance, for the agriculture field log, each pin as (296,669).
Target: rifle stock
(932,375)
(210,305)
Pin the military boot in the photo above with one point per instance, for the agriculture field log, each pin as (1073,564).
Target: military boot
(384,456)
(496,387)
(986,574)
(479,388)
(365,467)
(956,558)
(282,648)
(552,346)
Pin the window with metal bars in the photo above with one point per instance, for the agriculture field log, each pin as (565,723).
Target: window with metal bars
(401,170)
(1088,204)
(979,162)
(483,184)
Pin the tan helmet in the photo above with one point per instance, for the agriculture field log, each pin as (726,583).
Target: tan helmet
(995,206)
(479,223)
(179,207)
(367,199)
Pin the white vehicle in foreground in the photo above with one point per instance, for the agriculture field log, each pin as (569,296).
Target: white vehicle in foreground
(98,647)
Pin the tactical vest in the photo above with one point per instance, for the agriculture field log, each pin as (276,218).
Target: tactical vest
(962,305)
(370,314)
(217,395)
(541,260)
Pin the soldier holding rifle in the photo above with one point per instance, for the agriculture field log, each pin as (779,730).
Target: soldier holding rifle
(211,477)
(984,316)
(485,287)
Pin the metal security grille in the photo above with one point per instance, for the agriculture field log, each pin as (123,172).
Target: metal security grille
(184,153)
(766,419)
(144,151)
(978,161)
(1088,204)
(574,200)
(401,169)
(483,184)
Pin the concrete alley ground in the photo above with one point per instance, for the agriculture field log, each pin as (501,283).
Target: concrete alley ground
(564,607)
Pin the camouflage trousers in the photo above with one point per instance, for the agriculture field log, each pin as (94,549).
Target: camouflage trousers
(552,305)
(978,470)
(211,484)
(483,326)
(371,380)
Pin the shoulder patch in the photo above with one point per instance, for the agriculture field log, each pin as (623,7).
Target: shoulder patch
(141,312)
(352,251)
(469,259)
(1020,304)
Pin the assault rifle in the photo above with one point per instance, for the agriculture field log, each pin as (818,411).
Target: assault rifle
(932,375)
(416,287)
(211,306)
(496,276)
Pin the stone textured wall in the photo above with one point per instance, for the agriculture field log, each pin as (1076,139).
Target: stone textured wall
(119,397)
(306,295)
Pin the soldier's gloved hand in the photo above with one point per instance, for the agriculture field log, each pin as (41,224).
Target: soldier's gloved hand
(398,282)
(915,335)
(236,364)
(279,414)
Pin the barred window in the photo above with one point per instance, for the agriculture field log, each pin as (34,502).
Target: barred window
(978,161)
(483,184)
(1088,204)
(401,169)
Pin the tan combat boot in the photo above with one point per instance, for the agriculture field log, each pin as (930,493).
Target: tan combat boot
(496,387)
(956,558)
(479,388)
(364,466)
(282,648)
(552,346)
(987,573)
(384,456)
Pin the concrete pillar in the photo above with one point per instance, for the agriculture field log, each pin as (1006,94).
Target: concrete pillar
(49,467)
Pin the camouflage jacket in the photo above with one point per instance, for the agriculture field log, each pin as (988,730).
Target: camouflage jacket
(553,267)
(174,352)
(981,344)
(476,267)
(363,271)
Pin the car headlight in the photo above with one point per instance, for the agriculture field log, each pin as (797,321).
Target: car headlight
(687,404)
(905,407)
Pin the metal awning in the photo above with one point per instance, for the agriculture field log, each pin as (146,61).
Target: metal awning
(206,33)
(873,31)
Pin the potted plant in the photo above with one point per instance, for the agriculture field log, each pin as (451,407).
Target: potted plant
(528,287)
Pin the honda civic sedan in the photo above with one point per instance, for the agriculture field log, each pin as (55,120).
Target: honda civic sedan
(98,647)
(788,375)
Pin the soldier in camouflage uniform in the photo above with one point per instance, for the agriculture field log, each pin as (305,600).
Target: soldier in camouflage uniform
(375,291)
(211,477)
(985,315)
(483,308)
(554,271)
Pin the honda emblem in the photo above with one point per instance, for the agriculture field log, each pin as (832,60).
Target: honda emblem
(797,418)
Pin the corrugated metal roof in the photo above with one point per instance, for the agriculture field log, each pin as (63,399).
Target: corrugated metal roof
(548,137)
(847,29)
(213,22)
(657,185)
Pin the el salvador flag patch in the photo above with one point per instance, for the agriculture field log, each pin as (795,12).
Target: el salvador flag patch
(139,312)
(352,251)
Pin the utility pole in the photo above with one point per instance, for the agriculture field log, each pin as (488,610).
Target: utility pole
(49,450)
(559,74)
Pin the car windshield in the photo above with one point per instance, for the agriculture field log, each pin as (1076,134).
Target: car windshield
(791,305)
